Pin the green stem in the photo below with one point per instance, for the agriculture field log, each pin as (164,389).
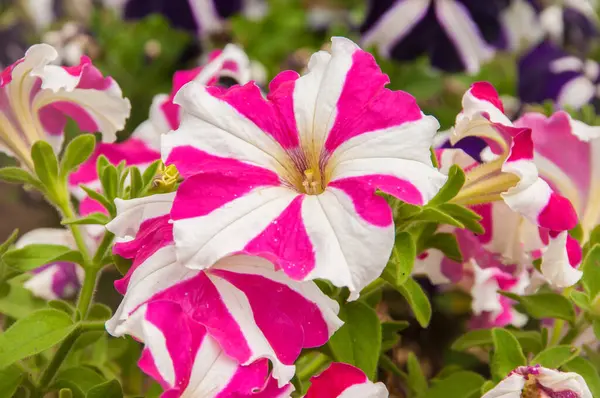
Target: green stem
(556,331)
(313,367)
(67,212)
(372,287)
(52,368)
(103,247)
(87,291)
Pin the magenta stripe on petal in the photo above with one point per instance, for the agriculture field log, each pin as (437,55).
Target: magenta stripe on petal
(246,379)
(58,110)
(334,380)
(286,243)
(371,207)
(522,147)
(148,365)
(281,94)
(286,318)
(201,300)
(89,76)
(558,214)
(484,91)
(250,103)
(205,192)
(365,105)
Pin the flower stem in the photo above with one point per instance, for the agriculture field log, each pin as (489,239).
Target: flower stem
(87,291)
(52,368)
(67,212)
(556,332)
(313,367)
(102,248)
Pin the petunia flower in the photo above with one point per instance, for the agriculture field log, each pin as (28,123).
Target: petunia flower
(549,73)
(252,310)
(292,177)
(521,25)
(341,380)
(36,98)
(457,35)
(187,361)
(537,381)
(571,24)
(56,280)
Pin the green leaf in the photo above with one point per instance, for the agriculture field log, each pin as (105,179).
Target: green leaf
(79,379)
(9,242)
(416,379)
(121,264)
(110,182)
(358,341)
(402,261)
(555,357)
(580,299)
(591,272)
(103,200)
(150,172)
(508,354)
(136,186)
(19,302)
(529,340)
(77,151)
(16,175)
(110,389)
(95,218)
(545,305)
(65,393)
(585,368)
(33,256)
(447,244)
(456,179)
(487,386)
(101,163)
(438,216)
(462,384)
(417,299)
(62,305)
(10,378)
(468,217)
(389,333)
(596,328)
(45,163)
(99,312)
(33,334)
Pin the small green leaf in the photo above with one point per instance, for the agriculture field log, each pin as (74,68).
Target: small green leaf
(101,163)
(95,218)
(358,341)
(33,256)
(463,384)
(79,379)
(531,341)
(45,163)
(545,305)
(121,264)
(16,175)
(110,182)
(555,357)
(435,215)
(456,179)
(136,186)
(447,244)
(596,328)
(406,211)
(389,333)
(150,172)
(591,272)
(402,261)
(62,305)
(103,200)
(585,368)
(508,354)
(9,242)
(110,389)
(99,312)
(468,217)
(417,299)
(580,299)
(77,151)
(65,393)
(416,379)
(33,334)
(487,386)
(10,378)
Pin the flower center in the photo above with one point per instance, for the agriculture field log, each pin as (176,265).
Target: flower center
(312,183)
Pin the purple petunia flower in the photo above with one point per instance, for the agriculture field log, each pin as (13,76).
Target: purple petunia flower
(549,73)
(572,24)
(456,34)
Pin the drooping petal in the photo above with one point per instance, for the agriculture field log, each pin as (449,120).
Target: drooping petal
(510,387)
(560,382)
(341,380)
(561,259)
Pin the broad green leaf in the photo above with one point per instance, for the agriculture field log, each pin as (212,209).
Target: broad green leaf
(462,384)
(529,340)
(417,299)
(103,200)
(110,389)
(487,386)
(33,334)
(447,244)
(77,151)
(402,261)
(33,256)
(358,341)
(591,272)
(468,217)
(45,163)
(555,357)
(545,305)
(16,175)
(508,354)
(79,379)
(10,378)
(585,368)
(95,218)
(19,302)
(456,179)
(416,379)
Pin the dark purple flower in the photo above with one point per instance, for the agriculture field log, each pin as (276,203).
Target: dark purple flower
(456,34)
(571,25)
(549,73)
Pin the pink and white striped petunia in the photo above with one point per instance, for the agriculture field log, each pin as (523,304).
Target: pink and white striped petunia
(187,361)
(249,308)
(292,177)
(341,380)
(537,381)
(558,141)
(36,99)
